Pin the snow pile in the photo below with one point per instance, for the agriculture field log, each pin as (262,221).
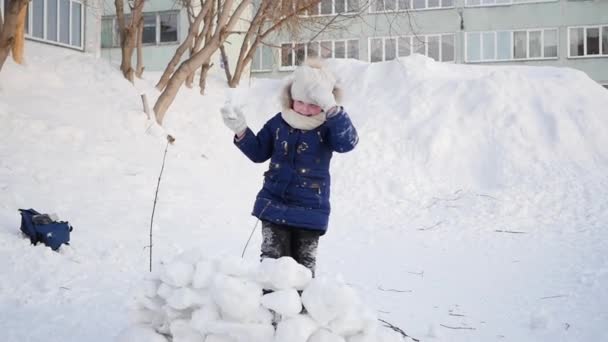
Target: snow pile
(194,299)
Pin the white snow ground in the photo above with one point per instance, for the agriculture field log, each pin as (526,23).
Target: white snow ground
(452,160)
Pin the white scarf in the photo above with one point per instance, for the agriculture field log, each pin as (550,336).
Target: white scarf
(303,122)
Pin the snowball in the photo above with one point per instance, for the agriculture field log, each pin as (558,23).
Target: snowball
(355,321)
(283,273)
(287,303)
(139,333)
(183,332)
(242,332)
(234,266)
(150,317)
(177,273)
(201,317)
(191,256)
(150,287)
(325,300)
(238,299)
(295,329)
(203,274)
(165,291)
(324,335)
(153,304)
(184,298)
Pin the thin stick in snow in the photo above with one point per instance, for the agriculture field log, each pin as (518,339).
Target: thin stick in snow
(431,227)
(509,231)
(457,328)
(393,290)
(552,297)
(170,140)
(397,329)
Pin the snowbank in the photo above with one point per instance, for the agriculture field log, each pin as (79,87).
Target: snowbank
(199,299)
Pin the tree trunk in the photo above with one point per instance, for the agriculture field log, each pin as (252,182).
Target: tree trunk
(225,23)
(9,28)
(19,45)
(192,32)
(203,80)
(168,95)
(139,69)
(128,35)
(225,62)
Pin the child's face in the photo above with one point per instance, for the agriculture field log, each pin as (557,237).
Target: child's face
(306,109)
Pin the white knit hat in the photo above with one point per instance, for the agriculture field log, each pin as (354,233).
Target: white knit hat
(309,76)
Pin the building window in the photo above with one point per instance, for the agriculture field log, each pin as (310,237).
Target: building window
(481,3)
(333,7)
(495,46)
(589,41)
(262,59)
(378,6)
(294,54)
(440,47)
(159,28)
(60,22)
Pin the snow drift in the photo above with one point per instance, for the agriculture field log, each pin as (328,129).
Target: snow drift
(451,157)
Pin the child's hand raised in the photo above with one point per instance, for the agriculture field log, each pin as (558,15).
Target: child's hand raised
(234,119)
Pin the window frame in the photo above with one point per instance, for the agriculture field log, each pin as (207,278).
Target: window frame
(601,42)
(30,24)
(425,38)
(307,43)
(260,50)
(508,3)
(157,14)
(333,10)
(372,10)
(511,47)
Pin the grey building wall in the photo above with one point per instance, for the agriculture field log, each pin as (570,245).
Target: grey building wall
(461,19)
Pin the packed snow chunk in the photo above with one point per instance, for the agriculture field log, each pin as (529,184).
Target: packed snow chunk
(140,333)
(201,318)
(165,291)
(326,299)
(242,332)
(237,298)
(295,329)
(182,331)
(184,298)
(283,273)
(285,302)
(324,335)
(177,273)
(150,287)
(355,321)
(234,266)
(203,274)
(153,304)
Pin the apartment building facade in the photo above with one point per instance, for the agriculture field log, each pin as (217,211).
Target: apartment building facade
(71,25)
(565,33)
(165,28)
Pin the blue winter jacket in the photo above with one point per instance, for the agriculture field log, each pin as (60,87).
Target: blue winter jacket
(297,184)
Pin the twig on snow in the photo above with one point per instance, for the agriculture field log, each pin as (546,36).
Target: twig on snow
(393,290)
(552,297)
(456,315)
(431,227)
(397,329)
(170,140)
(457,328)
(509,231)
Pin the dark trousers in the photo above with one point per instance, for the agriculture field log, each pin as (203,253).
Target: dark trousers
(281,240)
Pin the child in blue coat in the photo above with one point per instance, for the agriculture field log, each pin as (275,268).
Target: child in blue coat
(293,203)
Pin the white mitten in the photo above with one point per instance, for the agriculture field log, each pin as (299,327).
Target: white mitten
(234,118)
